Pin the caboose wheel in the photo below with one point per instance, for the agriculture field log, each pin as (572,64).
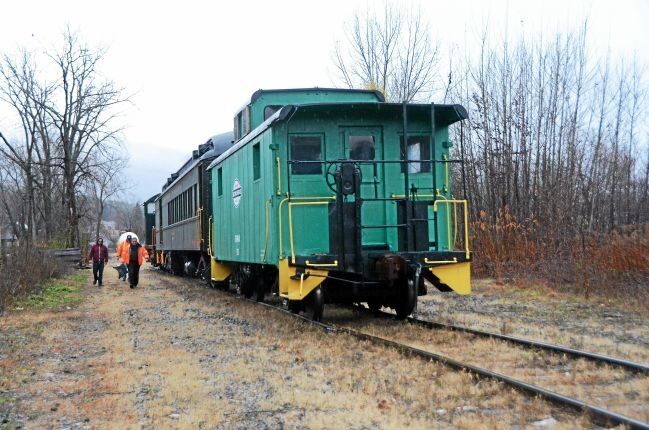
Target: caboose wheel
(374,306)
(260,289)
(314,304)
(247,287)
(406,298)
(295,306)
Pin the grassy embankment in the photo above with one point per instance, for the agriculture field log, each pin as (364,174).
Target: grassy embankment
(57,293)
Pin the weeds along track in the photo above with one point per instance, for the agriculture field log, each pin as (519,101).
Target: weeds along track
(529,343)
(597,384)
(348,324)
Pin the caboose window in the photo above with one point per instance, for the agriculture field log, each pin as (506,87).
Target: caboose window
(245,119)
(418,149)
(256,162)
(219,181)
(306,148)
(361,148)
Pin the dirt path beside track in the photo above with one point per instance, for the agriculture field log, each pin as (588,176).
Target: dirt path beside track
(175,354)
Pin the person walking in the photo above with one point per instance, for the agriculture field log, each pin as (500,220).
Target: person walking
(99,257)
(136,256)
(122,255)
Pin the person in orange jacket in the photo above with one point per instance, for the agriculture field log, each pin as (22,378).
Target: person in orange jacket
(121,248)
(135,254)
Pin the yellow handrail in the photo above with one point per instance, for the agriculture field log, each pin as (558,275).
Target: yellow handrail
(279,176)
(334,264)
(279,225)
(455,202)
(448,224)
(290,222)
(267,228)
(279,215)
(427,261)
(209,237)
(454,224)
(466,219)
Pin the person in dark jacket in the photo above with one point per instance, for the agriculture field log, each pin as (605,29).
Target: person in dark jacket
(136,256)
(99,257)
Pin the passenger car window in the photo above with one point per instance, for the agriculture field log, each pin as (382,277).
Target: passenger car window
(361,148)
(418,149)
(306,148)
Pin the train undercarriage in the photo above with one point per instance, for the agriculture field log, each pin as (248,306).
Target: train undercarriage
(183,263)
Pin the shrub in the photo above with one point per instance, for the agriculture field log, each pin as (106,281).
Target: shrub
(612,264)
(22,271)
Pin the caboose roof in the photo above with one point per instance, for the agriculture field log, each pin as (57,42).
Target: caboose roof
(445,114)
(378,95)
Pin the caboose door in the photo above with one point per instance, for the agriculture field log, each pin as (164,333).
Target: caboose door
(365,145)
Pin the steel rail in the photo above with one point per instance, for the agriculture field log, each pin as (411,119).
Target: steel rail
(600,415)
(599,358)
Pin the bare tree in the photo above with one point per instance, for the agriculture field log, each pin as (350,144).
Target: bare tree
(390,50)
(83,115)
(106,183)
(69,133)
(129,216)
(20,90)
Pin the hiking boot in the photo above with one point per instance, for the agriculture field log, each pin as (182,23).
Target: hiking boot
(94,282)
(132,286)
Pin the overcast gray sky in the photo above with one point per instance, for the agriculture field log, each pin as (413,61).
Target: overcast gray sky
(190,64)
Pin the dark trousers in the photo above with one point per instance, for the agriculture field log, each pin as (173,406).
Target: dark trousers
(98,271)
(133,273)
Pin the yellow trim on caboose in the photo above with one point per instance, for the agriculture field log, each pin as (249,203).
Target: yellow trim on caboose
(219,271)
(455,276)
(298,289)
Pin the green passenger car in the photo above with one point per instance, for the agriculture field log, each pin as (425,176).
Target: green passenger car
(336,196)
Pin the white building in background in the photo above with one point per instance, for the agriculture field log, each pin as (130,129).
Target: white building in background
(7,236)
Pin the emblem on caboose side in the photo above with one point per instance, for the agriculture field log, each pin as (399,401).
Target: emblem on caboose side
(236,193)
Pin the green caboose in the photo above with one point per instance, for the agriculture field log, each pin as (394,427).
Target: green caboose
(334,195)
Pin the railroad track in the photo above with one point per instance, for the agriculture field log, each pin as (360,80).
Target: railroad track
(598,414)
(576,353)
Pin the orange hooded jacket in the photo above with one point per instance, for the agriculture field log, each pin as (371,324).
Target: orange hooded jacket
(119,251)
(124,251)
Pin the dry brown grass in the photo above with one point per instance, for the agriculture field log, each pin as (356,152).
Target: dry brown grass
(217,362)
(608,265)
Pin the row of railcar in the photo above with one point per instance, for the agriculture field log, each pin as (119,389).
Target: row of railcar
(321,196)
